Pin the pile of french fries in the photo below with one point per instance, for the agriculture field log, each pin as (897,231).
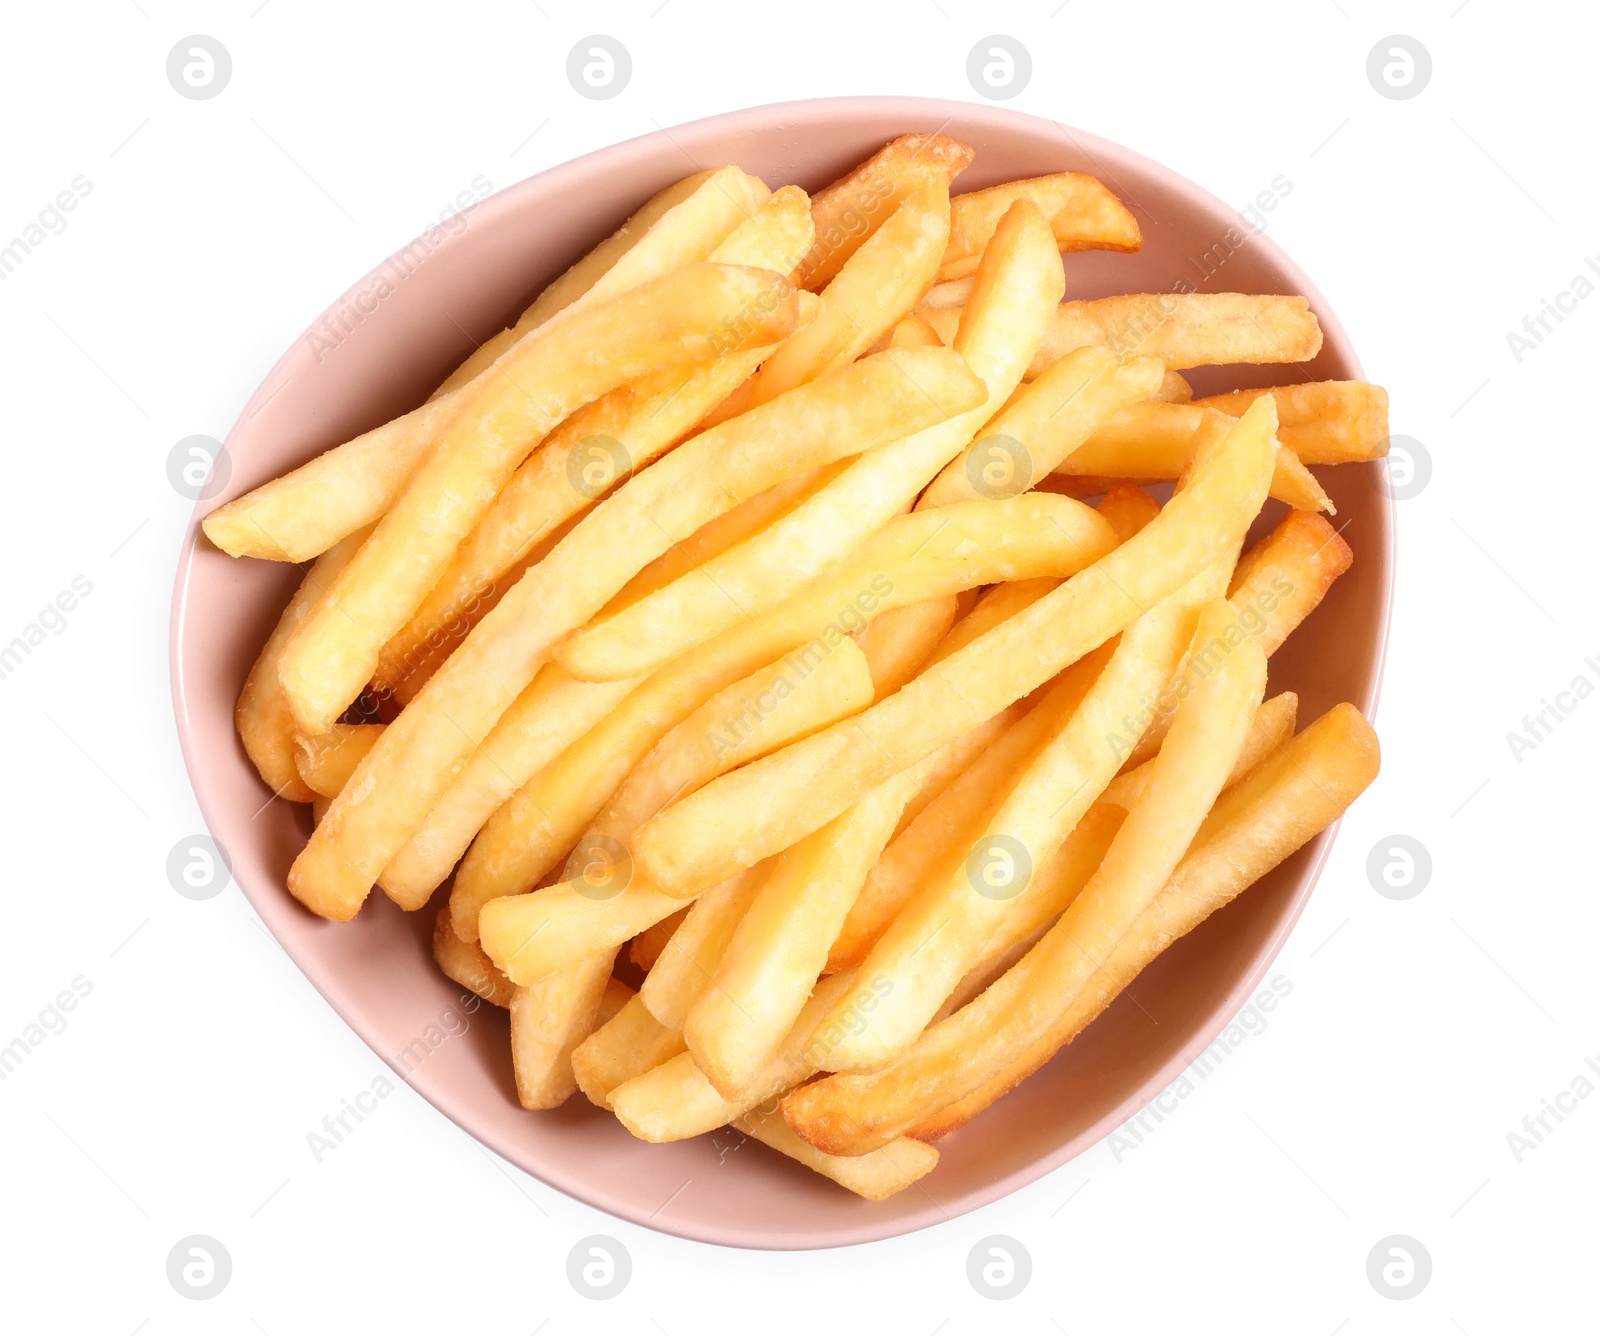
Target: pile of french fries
(736,620)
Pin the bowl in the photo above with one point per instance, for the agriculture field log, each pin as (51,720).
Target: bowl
(382,347)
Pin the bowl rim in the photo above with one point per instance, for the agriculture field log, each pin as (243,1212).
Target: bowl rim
(753,122)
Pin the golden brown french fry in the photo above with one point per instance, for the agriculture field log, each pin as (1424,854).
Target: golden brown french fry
(1049,420)
(305,512)
(327,761)
(770,804)
(678,226)
(1018,287)
(878,1176)
(898,643)
(780,947)
(628,1044)
(1176,390)
(266,728)
(678,318)
(847,212)
(853,1114)
(1082,214)
(1150,441)
(1127,507)
(551,714)
(551,815)
(942,931)
(675,1100)
(910,331)
(1323,422)
(466,965)
(646,947)
(548,1021)
(1284,802)
(689,960)
(848,411)
(1181,329)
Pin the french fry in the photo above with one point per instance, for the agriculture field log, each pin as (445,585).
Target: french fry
(1018,287)
(1050,419)
(327,761)
(626,1045)
(898,643)
(910,331)
(303,513)
(780,947)
(847,212)
(551,814)
(551,714)
(463,963)
(675,1101)
(592,450)
(878,1176)
(675,319)
(941,933)
(548,1021)
(849,411)
(1176,390)
(1181,329)
(1323,422)
(1288,799)
(1150,442)
(1127,507)
(678,226)
(689,961)
(646,947)
(766,806)
(1082,214)
(877,285)
(262,717)
(853,1114)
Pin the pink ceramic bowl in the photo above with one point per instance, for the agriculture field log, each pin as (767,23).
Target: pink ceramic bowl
(373,357)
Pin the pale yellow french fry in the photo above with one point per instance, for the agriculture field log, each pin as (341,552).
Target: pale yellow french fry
(847,212)
(305,512)
(898,643)
(1018,287)
(1049,420)
(261,716)
(675,1100)
(1323,422)
(942,931)
(780,947)
(770,804)
(1082,213)
(629,1044)
(678,318)
(910,331)
(688,962)
(677,226)
(851,410)
(552,713)
(1181,329)
(857,1113)
(465,964)
(877,1176)
(548,1021)
(1176,390)
(545,819)
(646,947)
(1286,800)
(327,761)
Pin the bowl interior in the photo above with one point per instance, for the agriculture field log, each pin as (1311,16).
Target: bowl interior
(380,349)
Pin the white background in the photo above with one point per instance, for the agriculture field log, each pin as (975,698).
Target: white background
(1419,1033)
